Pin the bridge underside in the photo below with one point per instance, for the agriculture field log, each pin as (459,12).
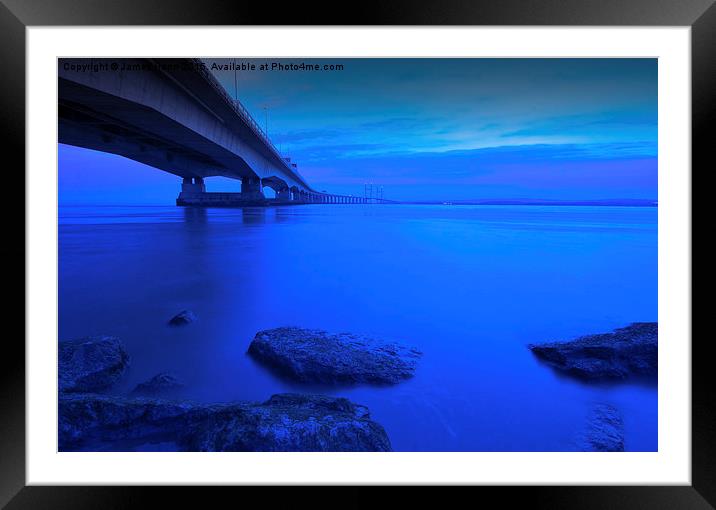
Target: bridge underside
(94,120)
(99,120)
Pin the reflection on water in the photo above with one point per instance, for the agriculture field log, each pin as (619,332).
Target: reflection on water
(469,286)
(255,215)
(197,215)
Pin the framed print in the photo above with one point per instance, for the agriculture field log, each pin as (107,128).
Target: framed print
(419,249)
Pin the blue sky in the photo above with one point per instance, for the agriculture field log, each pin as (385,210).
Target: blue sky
(444,129)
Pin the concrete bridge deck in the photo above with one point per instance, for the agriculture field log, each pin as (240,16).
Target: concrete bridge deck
(172,114)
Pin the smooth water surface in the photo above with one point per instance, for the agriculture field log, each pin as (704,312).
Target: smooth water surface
(470,286)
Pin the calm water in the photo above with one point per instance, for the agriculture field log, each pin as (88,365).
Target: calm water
(469,286)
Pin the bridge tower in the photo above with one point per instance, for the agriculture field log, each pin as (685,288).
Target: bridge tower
(368,192)
(251,188)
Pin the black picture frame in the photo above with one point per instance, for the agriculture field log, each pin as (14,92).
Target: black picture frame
(17,15)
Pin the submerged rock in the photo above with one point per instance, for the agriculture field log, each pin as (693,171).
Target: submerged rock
(604,431)
(91,363)
(626,352)
(314,356)
(286,422)
(160,384)
(183,318)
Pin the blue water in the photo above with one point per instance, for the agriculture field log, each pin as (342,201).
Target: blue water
(470,286)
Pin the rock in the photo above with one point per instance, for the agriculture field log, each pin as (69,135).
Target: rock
(89,417)
(604,431)
(286,422)
(314,356)
(160,384)
(91,363)
(183,318)
(631,351)
(290,422)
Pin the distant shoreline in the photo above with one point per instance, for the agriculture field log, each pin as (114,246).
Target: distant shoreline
(608,203)
(556,203)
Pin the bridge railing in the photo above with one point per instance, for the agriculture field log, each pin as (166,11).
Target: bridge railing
(242,112)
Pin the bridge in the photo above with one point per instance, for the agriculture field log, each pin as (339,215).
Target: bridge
(174,115)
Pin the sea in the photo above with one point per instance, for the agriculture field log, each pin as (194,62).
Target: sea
(469,286)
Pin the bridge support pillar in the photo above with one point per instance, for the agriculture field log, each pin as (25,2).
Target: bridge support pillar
(195,186)
(251,188)
(284,195)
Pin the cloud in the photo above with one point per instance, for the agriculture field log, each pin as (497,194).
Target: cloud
(306,135)
(397,123)
(534,171)
(597,125)
(316,153)
(467,164)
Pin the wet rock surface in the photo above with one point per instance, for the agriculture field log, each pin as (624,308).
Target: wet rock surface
(626,352)
(90,363)
(315,356)
(286,422)
(161,384)
(183,318)
(604,431)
